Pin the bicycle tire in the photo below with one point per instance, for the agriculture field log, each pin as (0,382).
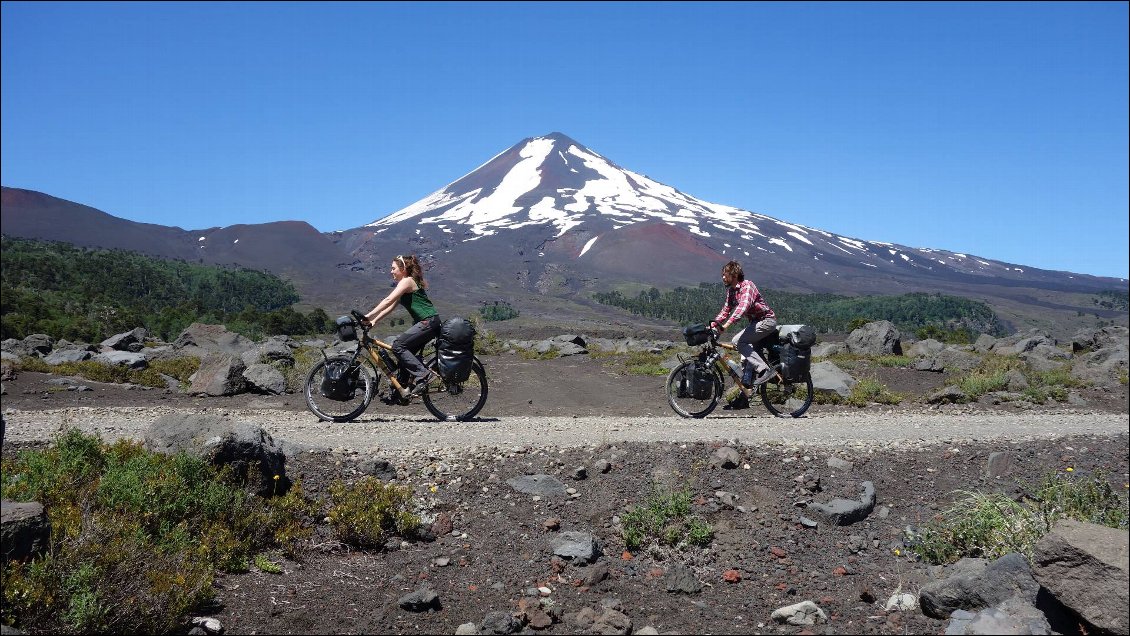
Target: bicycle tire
(688,406)
(334,410)
(785,394)
(456,402)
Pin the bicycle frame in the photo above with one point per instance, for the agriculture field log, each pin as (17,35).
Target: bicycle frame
(723,358)
(372,346)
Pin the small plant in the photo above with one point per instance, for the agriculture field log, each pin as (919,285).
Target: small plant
(979,383)
(990,526)
(981,526)
(665,518)
(892,361)
(633,362)
(368,512)
(267,565)
(869,390)
(1064,496)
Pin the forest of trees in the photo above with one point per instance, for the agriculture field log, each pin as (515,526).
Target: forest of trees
(498,310)
(959,317)
(87,295)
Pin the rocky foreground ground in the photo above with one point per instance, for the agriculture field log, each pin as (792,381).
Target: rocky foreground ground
(506,497)
(527,505)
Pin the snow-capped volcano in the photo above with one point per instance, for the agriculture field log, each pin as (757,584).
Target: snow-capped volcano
(553,181)
(552,217)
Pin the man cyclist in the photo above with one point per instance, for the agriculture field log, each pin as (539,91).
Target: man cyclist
(743,300)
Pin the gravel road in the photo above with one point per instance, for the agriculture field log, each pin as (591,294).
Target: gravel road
(373,434)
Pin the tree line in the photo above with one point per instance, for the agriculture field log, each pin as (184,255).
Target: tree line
(953,317)
(89,294)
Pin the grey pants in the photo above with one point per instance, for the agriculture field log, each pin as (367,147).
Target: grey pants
(408,346)
(746,341)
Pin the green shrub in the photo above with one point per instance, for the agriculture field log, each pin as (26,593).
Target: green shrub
(979,383)
(530,354)
(869,390)
(367,513)
(981,526)
(991,526)
(180,368)
(897,362)
(666,519)
(499,310)
(136,537)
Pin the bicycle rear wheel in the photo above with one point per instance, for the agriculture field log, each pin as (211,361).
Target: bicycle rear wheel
(679,397)
(456,402)
(339,410)
(788,399)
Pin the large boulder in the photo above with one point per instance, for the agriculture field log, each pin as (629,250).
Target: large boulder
(199,339)
(975,584)
(949,359)
(37,344)
(24,528)
(1022,343)
(1104,367)
(1089,340)
(925,348)
(1085,567)
(828,378)
(132,340)
(264,378)
(875,339)
(219,374)
(69,354)
(123,358)
(251,452)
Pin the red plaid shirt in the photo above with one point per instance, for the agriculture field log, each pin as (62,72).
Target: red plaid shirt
(743,300)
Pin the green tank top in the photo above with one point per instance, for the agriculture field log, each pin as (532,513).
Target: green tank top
(418,304)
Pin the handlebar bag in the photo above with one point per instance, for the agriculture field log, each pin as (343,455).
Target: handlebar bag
(345,328)
(696,334)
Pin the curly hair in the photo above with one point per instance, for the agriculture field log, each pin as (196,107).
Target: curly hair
(733,269)
(412,267)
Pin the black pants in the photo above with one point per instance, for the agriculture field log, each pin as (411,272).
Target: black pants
(407,347)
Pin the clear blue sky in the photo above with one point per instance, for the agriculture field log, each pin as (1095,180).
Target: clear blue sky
(991,129)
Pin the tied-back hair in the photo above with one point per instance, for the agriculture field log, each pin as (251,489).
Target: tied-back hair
(733,269)
(411,266)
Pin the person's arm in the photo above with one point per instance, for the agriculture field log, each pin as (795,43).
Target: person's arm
(745,298)
(385,307)
(717,322)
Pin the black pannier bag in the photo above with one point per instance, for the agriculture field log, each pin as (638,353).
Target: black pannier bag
(339,381)
(700,383)
(795,362)
(455,349)
(800,336)
(683,384)
(345,331)
(696,334)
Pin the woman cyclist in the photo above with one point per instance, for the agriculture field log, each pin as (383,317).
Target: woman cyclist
(409,292)
(743,300)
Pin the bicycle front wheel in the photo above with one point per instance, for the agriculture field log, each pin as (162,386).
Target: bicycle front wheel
(788,399)
(456,402)
(679,395)
(331,410)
